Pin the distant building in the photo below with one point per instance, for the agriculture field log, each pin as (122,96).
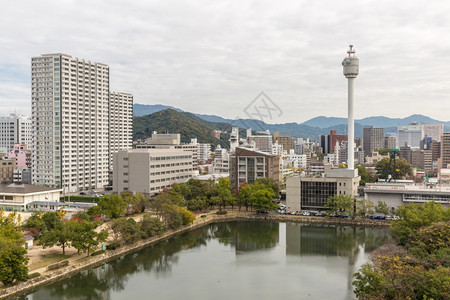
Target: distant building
(328,142)
(247,165)
(373,139)
(286,141)
(14,129)
(221,163)
(312,193)
(150,171)
(405,152)
(22,155)
(120,122)
(390,142)
(216,133)
(445,150)
(203,150)
(7,166)
(170,141)
(410,134)
(434,131)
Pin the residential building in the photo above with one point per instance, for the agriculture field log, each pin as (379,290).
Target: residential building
(22,155)
(287,142)
(14,129)
(410,134)
(373,139)
(246,165)
(74,122)
(120,122)
(221,163)
(405,152)
(390,142)
(445,150)
(434,131)
(203,150)
(312,193)
(150,171)
(7,166)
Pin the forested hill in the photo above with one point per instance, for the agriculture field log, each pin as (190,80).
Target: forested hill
(186,124)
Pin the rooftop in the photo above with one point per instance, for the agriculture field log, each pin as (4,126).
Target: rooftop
(15,188)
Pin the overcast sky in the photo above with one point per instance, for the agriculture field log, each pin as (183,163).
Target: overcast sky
(215,57)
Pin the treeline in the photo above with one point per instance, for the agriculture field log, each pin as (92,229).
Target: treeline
(417,266)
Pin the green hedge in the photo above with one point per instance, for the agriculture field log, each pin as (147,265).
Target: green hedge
(80,199)
(98,252)
(34,275)
(58,265)
(221,212)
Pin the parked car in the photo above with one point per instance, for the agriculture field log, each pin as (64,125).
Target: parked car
(345,215)
(82,193)
(262,211)
(306,213)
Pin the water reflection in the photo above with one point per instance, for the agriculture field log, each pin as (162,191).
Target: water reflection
(301,257)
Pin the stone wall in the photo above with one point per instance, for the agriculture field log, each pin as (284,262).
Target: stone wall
(91,262)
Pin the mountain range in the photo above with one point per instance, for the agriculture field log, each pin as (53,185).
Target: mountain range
(309,129)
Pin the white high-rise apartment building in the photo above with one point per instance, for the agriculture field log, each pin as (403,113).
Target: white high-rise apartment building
(14,129)
(120,122)
(73,122)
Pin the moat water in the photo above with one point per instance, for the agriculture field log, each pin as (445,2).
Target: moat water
(233,260)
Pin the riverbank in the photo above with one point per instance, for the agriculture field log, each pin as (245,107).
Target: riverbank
(77,266)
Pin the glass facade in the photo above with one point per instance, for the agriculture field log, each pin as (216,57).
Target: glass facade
(315,194)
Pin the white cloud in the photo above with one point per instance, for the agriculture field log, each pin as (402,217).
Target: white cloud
(214,57)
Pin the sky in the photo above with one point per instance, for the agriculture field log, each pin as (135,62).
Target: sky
(216,57)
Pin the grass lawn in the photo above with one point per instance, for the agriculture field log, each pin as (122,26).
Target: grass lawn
(47,260)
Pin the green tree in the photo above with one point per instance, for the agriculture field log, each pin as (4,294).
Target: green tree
(13,260)
(85,238)
(341,203)
(382,208)
(112,206)
(61,235)
(156,203)
(186,216)
(223,189)
(269,183)
(35,221)
(364,207)
(125,230)
(197,204)
(150,226)
(384,151)
(404,169)
(244,197)
(414,216)
(366,176)
(172,219)
(262,198)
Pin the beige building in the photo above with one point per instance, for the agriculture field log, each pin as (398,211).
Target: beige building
(120,122)
(18,196)
(170,141)
(312,193)
(150,171)
(7,166)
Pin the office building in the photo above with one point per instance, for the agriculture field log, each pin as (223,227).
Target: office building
(434,131)
(410,134)
(373,139)
(7,166)
(170,141)
(14,129)
(221,163)
(74,122)
(312,193)
(246,165)
(328,142)
(150,171)
(287,142)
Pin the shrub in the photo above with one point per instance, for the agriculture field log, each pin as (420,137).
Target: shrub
(98,252)
(58,265)
(186,216)
(34,275)
(221,212)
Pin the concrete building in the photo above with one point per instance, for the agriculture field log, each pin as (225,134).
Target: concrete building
(410,134)
(170,141)
(445,150)
(14,129)
(221,163)
(328,142)
(18,196)
(120,122)
(390,142)
(373,139)
(150,171)
(312,193)
(7,166)
(22,155)
(287,142)
(405,152)
(203,150)
(395,194)
(247,165)
(72,121)
(434,131)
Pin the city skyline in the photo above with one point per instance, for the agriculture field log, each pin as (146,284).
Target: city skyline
(215,58)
